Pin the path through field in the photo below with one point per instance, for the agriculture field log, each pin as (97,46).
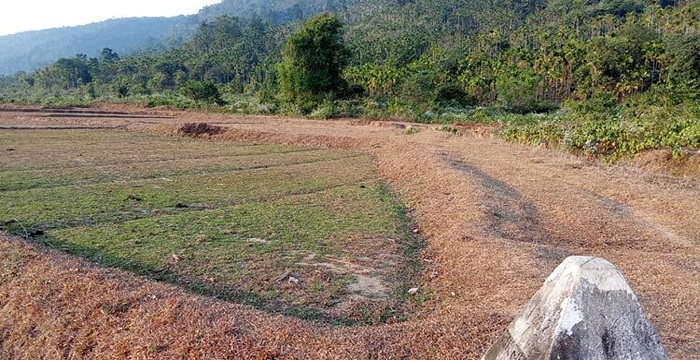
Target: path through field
(497,217)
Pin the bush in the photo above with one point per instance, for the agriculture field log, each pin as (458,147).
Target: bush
(418,88)
(518,93)
(122,91)
(203,91)
(452,96)
(618,133)
(324,111)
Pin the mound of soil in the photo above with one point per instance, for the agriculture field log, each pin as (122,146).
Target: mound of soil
(200,129)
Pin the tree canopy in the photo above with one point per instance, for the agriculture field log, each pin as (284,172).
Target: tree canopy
(410,56)
(313,61)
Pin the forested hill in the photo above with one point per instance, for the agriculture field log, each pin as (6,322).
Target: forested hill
(30,50)
(523,54)
(278,11)
(409,26)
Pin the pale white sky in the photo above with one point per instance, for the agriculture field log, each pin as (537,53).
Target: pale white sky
(24,15)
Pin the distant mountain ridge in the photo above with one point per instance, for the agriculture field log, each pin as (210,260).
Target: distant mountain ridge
(32,50)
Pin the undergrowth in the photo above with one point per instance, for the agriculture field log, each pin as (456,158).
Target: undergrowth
(614,134)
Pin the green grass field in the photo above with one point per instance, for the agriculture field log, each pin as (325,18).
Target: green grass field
(305,232)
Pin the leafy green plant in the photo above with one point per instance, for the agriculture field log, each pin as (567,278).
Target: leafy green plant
(452,96)
(204,91)
(313,61)
(411,130)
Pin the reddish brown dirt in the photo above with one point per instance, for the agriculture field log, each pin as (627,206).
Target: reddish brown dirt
(683,164)
(497,217)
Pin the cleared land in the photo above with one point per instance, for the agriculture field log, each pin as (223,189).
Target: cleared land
(271,226)
(496,218)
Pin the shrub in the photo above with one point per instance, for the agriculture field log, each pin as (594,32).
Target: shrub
(324,111)
(411,130)
(452,96)
(203,91)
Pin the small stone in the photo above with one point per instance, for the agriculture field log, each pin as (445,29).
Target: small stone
(134,198)
(175,258)
(413,291)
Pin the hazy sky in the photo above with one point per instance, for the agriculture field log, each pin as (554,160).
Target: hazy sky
(23,15)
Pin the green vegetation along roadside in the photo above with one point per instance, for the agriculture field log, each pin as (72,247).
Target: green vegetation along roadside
(275,227)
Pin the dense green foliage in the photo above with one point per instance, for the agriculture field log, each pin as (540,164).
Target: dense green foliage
(584,64)
(620,132)
(203,91)
(136,34)
(313,60)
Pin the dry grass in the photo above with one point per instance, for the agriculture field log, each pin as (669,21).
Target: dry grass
(663,161)
(227,224)
(497,217)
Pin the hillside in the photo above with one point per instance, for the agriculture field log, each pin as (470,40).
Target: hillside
(610,78)
(276,11)
(31,50)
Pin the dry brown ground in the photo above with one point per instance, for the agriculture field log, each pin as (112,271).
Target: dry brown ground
(497,217)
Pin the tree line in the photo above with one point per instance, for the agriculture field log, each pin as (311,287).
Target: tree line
(410,56)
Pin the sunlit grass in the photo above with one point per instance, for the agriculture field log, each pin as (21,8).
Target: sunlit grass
(218,218)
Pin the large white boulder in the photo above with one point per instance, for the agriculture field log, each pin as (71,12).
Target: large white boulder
(585,310)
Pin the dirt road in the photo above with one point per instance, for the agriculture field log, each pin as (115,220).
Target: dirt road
(497,217)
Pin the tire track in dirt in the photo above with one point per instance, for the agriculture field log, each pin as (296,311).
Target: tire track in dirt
(628,214)
(510,214)
(648,228)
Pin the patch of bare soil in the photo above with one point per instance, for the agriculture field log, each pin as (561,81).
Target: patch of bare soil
(497,218)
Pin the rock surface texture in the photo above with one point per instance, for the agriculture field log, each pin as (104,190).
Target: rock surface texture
(585,310)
